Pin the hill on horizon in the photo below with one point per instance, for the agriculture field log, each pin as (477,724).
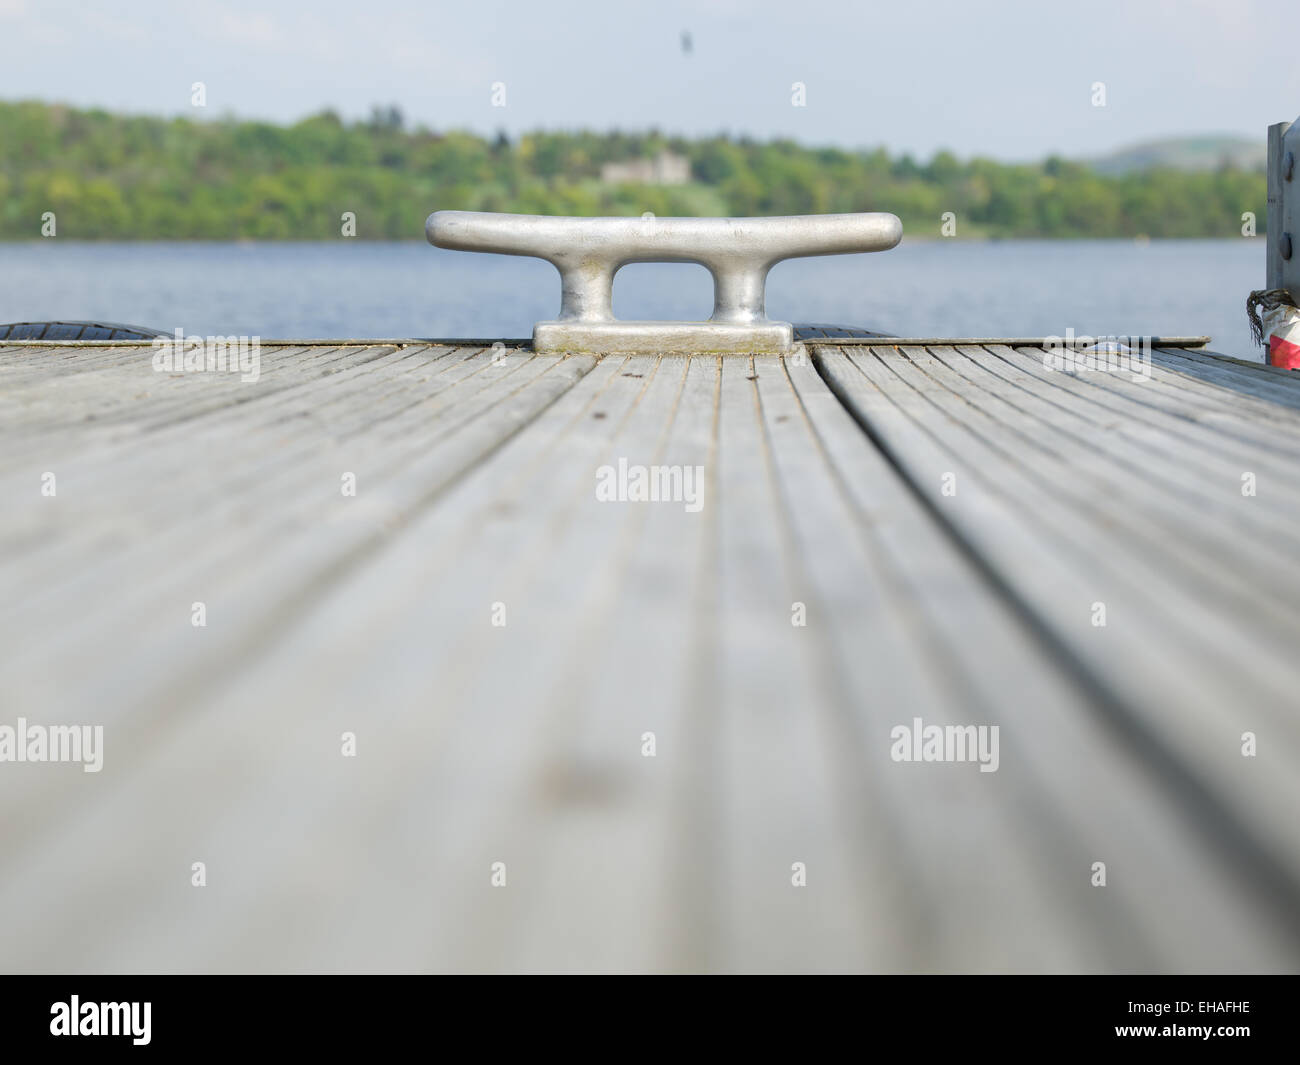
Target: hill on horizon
(1192,154)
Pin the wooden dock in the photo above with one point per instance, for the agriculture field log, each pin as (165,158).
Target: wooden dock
(603,735)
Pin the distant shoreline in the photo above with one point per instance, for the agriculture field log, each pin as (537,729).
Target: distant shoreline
(908,238)
(96,175)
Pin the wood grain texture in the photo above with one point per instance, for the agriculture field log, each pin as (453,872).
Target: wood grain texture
(1083,489)
(522,742)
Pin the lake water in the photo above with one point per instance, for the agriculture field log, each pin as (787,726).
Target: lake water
(409,289)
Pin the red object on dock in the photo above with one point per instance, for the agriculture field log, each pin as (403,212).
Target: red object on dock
(1284,353)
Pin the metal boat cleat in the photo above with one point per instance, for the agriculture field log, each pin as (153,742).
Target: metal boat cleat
(738,252)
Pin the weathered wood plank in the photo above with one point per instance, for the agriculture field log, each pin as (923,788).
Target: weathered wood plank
(524,742)
(1190,665)
(1273,383)
(116,553)
(1151,485)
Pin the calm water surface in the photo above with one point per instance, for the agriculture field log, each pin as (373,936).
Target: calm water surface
(409,289)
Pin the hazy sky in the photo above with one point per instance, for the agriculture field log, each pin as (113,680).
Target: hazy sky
(1010,79)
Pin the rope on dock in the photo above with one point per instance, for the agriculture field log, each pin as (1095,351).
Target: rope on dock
(1265,299)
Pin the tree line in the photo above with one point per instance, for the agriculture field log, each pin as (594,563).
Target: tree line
(125,177)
